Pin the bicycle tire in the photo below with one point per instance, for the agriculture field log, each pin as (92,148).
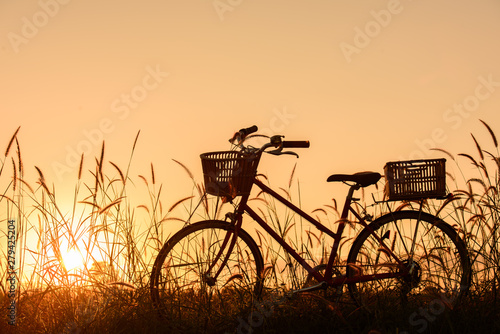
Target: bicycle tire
(442,270)
(180,293)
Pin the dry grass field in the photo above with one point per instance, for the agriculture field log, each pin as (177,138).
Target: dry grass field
(86,269)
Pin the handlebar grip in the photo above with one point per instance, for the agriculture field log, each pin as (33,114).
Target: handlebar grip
(296,143)
(247,131)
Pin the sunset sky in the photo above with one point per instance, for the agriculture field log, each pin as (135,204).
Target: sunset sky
(365,81)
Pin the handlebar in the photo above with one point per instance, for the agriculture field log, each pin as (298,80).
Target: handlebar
(239,137)
(274,141)
(296,144)
(246,131)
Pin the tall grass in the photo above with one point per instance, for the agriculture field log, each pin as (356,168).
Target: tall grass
(475,209)
(118,237)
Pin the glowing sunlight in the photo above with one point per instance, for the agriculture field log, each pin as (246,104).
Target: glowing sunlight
(73,260)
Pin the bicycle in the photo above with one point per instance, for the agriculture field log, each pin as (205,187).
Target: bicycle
(401,257)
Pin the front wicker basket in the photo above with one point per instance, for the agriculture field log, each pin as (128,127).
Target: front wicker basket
(415,179)
(229,173)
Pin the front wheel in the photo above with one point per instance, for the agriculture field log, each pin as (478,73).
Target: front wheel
(433,264)
(185,292)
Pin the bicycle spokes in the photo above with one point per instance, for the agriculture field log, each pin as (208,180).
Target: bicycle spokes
(437,266)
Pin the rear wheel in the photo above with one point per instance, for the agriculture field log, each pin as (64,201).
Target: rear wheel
(182,289)
(435,266)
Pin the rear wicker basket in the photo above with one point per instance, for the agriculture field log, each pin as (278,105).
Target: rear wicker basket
(229,173)
(415,179)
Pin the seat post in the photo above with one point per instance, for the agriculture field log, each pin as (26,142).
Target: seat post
(348,200)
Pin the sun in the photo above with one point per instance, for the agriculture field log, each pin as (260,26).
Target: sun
(73,260)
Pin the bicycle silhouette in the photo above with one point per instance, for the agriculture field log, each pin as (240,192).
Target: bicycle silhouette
(400,258)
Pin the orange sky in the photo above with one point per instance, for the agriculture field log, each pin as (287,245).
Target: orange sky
(365,81)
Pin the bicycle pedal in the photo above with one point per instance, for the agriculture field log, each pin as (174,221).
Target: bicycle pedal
(210,280)
(319,286)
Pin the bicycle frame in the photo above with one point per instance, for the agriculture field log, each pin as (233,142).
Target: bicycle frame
(327,277)
(404,256)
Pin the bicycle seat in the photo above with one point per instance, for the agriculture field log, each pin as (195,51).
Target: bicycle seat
(364,179)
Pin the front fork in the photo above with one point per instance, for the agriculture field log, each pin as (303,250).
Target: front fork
(230,238)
